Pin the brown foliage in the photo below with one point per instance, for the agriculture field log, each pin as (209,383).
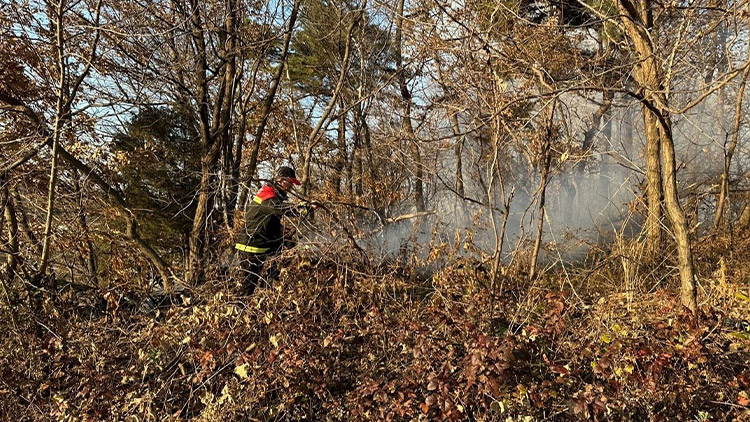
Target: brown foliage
(336,342)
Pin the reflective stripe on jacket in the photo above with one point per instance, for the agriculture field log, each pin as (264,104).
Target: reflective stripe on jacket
(263,232)
(251,249)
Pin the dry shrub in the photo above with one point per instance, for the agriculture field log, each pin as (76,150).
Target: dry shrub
(337,340)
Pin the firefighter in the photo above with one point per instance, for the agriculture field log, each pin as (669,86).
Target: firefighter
(263,234)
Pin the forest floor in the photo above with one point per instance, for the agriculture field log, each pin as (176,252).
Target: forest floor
(344,341)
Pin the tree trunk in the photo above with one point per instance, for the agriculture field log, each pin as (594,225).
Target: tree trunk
(677,218)
(230,170)
(606,164)
(499,235)
(234,185)
(721,63)
(722,136)
(50,202)
(653,182)
(342,159)
(456,128)
(545,160)
(88,256)
(407,127)
(458,154)
(198,234)
(214,132)
(589,137)
(730,149)
(194,270)
(67,89)
(626,139)
(62,83)
(10,218)
(18,205)
(356,185)
(636,22)
(353,168)
(416,154)
(544,165)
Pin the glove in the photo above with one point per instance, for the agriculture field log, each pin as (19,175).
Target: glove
(307,210)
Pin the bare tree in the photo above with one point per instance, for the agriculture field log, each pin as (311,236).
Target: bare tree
(636,21)
(407,126)
(730,149)
(267,104)
(318,131)
(66,90)
(544,160)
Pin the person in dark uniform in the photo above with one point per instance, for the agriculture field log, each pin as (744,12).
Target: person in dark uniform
(263,234)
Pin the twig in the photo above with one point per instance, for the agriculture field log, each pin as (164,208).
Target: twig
(730,404)
(335,218)
(49,329)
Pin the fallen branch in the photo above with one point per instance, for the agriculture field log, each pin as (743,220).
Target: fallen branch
(409,216)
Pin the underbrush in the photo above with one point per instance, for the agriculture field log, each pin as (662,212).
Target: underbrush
(333,341)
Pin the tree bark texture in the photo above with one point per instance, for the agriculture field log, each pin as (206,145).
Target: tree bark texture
(636,20)
(653,182)
(677,219)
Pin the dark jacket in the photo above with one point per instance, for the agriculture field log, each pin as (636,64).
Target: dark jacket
(263,232)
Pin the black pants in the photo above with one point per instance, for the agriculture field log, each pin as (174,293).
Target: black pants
(249,269)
